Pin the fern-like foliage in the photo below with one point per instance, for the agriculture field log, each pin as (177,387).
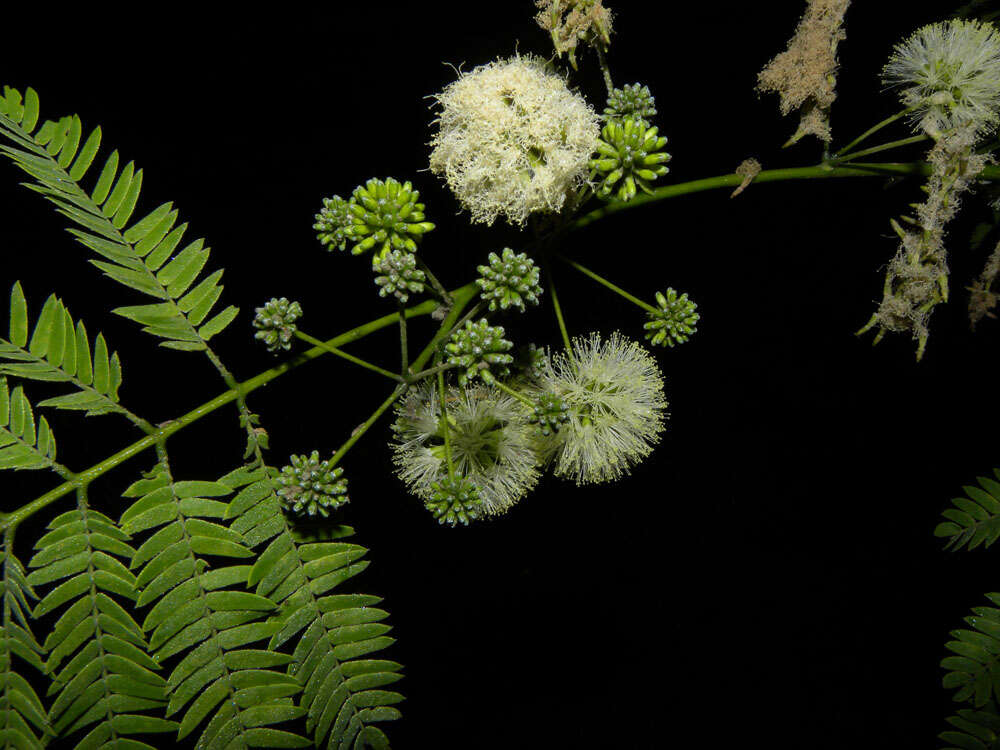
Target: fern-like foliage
(342,694)
(59,350)
(973,729)
(23,445)
(200,613)
(22,716)
(145,255)
(108,679)
(974,669)
(973,520)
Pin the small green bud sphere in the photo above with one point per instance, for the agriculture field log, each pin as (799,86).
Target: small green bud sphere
(385,215)
(674,322)
(481,350)
(275,323)
(332,222)
(550,413)
(454,500)
(509,280)
(629,156)
(309,486)
(634,101)
(398,275)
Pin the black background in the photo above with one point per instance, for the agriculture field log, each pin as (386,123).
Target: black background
(769,575)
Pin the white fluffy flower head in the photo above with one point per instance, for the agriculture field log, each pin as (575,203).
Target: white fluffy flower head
(614,391)
(512,139)
(949,73)
(491,443)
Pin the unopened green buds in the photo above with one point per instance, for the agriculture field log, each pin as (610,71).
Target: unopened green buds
(454,500)
(275,323)
(332,222)
(550,413)
(674,322)
(310,486)
(385,215)
(634,101)
(480,350)
(398,275)
(509,280)
(630,155)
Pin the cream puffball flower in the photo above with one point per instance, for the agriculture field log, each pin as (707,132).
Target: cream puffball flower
(512,139)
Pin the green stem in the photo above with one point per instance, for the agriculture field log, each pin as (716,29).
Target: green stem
(445,428)
(429,372)
(874,129)
(360,431)
(511,392)
(559,317)
(879,149)
(603,281)
(819,172)
(350,357)
(603,62)
(404,351)
(438,286)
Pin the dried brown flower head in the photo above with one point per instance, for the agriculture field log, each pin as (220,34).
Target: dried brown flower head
(570,22)
(805,75)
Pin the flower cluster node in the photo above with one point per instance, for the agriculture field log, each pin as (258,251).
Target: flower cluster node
(614,391)
(332,223)
(630,155)
(454,500)
(634,101)
(310,486)
(570,22)
(397,274)
(481,350)
(550,413)
(490,437)
(513,140)
(674,322)
(385,214)
(949,74)
(275,323)
(509,280)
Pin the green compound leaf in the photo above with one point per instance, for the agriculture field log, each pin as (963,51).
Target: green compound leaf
(59,350)
(973,729)
(24,722)
(146,254)
(334,633)
(24,444)
(224,681)
(973,520)
(103,677)
(973,671)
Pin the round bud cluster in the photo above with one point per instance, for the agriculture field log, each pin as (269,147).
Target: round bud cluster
(275,322)
(385,214)
(454,500)
(398,275)
(630,155)
(551,412)
(310,486)
(674,322)
(509,280)
(478,347)
(332,223)
(633,101)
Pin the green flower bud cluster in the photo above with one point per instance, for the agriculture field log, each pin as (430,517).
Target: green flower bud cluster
(478,347)
(275,322)
(332,223)
(630,155)
(674,322)
(509,280)
(398,275)
(310,486)
(550,413)
(633,101)
(385,214)
(454,500)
